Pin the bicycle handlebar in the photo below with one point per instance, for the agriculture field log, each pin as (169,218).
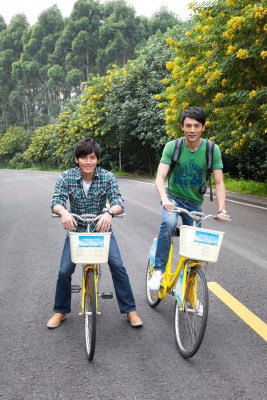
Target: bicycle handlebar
(89,218)
(198,215)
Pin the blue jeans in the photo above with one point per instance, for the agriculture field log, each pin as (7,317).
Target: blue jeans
(119,274)
(167,229)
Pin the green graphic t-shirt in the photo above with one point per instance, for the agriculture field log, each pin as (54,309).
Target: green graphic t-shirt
(189,173)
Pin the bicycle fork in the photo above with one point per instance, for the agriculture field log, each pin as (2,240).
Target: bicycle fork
(96,284)
(105,295)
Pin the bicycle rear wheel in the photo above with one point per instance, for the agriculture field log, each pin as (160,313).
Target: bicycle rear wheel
(151,295)
(90,314)
(190,321)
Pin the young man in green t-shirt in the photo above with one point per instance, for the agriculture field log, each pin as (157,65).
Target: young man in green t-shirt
(184,184)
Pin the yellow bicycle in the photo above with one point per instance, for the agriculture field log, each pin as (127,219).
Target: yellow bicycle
(90,249)
(187,283)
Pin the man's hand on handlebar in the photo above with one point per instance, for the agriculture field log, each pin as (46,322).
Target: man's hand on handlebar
(68,221)
(223,217)
(168,205)
(104,222)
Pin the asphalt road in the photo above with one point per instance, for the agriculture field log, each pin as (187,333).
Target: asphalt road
(143,364)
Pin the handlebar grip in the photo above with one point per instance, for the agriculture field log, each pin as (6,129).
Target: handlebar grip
(55,215)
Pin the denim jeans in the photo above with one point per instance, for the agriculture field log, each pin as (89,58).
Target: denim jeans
(167,229)
(119,274)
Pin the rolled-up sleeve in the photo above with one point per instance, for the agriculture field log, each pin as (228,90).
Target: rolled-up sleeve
(61,194)
(113,193)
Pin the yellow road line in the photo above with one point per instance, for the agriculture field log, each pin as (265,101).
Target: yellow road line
(243,312)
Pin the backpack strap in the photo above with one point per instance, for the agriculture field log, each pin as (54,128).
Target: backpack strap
(209,157)
(176,154)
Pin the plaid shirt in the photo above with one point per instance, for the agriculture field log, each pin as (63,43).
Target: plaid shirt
(104,187)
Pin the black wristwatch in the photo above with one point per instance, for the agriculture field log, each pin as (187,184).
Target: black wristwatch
(111,212)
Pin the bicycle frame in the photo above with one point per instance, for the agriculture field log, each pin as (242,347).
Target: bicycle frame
(170,278)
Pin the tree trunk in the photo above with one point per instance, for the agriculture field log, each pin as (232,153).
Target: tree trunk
(149,162)
(120,167)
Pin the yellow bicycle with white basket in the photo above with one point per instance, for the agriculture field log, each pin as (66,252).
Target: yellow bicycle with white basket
(187,283)
(90,249)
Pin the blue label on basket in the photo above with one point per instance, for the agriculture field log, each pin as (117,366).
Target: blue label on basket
(206,238)
(91,241)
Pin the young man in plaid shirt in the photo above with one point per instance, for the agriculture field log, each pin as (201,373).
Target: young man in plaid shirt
(88,187)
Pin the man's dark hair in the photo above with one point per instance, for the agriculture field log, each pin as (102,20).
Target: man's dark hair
(87,146)
(196,113)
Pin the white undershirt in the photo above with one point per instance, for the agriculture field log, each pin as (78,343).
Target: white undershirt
(86,187)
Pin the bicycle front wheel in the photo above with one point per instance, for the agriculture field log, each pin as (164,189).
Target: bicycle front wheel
(190,320)
(90,314)
(151,295)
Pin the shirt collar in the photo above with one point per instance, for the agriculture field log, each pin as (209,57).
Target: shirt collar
(79,176)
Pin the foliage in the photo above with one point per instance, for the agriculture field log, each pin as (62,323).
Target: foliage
(99,74)
(227,77)
(42,66)
(12,144)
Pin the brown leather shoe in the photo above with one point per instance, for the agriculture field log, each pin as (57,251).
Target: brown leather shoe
(134,319)
(56,320)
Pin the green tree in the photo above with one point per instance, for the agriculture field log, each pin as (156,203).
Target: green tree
(163,20)
(227,77)
(12,143)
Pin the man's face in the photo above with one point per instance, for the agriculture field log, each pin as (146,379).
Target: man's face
(87,164)
(192,130)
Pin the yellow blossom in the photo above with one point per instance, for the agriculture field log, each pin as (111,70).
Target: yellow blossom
(213,65)
(188,34)
(229,34)
(191,5)
(169,41)
(218,97)
(169,65)
(185,105)
(242,53)
(253,93)
(230,50)
(189,84)
(263,54)
(200,69)
(224,82)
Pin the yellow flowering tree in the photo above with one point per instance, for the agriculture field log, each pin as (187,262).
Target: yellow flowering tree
(220,65)
(41,149)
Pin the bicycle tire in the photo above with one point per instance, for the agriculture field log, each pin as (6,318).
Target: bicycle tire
(90,314)
(189,326)
(151,295)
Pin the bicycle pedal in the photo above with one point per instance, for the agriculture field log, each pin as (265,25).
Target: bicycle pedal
(106,295)
(75,288)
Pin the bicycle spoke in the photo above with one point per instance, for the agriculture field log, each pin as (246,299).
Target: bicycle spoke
(90,314)
(191,320)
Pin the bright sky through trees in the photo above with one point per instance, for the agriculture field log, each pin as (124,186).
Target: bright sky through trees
(33,8)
